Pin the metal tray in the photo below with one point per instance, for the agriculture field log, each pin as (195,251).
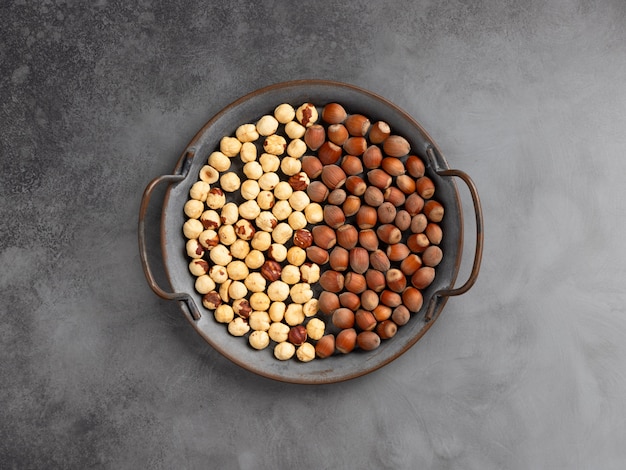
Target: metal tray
(248,109)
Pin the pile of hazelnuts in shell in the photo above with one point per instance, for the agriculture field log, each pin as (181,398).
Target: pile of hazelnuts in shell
(313,231)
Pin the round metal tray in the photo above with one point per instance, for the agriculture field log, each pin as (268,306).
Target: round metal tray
(249,109)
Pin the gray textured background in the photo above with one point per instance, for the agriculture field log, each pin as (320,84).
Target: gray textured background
(526,370)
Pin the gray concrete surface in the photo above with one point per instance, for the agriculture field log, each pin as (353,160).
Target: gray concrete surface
(525,371)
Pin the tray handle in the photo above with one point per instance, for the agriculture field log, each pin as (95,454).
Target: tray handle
(143,252)
(478,253)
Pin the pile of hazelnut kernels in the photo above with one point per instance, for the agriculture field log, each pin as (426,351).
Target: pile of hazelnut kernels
(327,199)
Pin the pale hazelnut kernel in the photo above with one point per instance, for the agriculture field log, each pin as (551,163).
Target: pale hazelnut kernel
(284,113)
(219,161)
(198,267)
(294,315)
(259,301)
(237,290)
(268,181)
(282,233)
(229,214)
(223,291)
(315,328)
(277,252)
(310,308)
(230,146)
(247,133)
(220,255)
(267,125)
(255,282)
(299,200)
(249,210)
(284,351)
(227,234)
(278,332)
(208,239)
(297,220)
(296,148)
(238,327)
(244,229)
(266,200)
(310,273)
(250,189)
(275,144)
(248,152)
(305,352)
(208,174)
(270,163)
(224,313)
(266,221)
(237,270)
(210,219)
(259,339)
(192,228)
(283,190)
(301,293)
(240,249)
(230,182)
(215,199)
(211,300)
(281,210)
(254,259)
(193,208)
(314,213)
(278,291)
(218,273)
(294,130)
(204,284)
(290,166)
(195,250)
(296,256)
(199,191)
(290,274)
(277,311)
(259,320)
(307,114)
(261,241)
(253,170)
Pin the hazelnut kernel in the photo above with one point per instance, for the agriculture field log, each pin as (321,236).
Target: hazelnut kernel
(294,130)
(307,114)
(299,181)
(297,220)
(259,339)
(259,301)
(284,113)
(230,146)
(315,328)
(269,163)
(248,152)
(271,270)
(275,144)
(297,335)
(294,314)
(305,352)
(278,331)
(277,312)
(259,320)
(284,351)
(267,125)
(229,213)
(238,327)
